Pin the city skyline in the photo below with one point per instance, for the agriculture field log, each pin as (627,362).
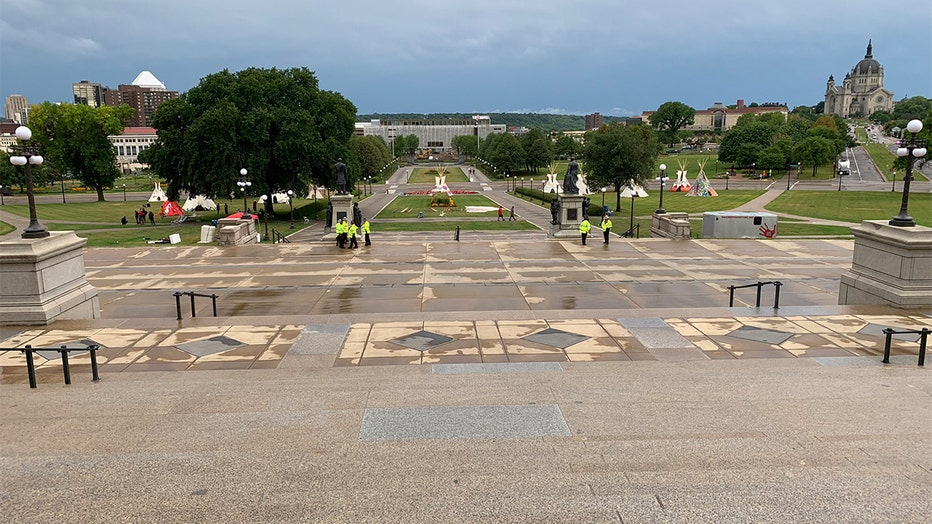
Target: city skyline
(486,57)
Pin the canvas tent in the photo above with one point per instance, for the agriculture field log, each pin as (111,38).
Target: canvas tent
(702,187)
(170,208)
(634,190)
(199,202)
(157,194)
(280,198)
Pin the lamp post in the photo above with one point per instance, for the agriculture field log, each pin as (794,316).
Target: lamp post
(662,178)
(243,183)
(1,194)
(522,183)
(507,183)
(788,176)
(634,194)
(911,148)
(603,200)
(893,176)
(291,207)
(27,155)
(124,192)
(262,200)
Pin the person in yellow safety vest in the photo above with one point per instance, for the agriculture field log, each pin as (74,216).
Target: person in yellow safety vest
(338,228)
(353,244)
(584,228)
(365,232)
(606,227)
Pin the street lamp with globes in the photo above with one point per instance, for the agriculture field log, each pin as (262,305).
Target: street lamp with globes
(911,148)
(662,178)
(291,207)
(244,183)
(262,200)
(27,155)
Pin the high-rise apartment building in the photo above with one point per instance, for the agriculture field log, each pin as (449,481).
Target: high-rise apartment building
(144,95)
(89,93)
(593,121)
(16,109)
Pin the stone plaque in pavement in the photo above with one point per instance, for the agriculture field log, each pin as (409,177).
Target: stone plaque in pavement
(767,336)
(210,346)
(422,340)
(320,339)
(458,422)
(877,331)
(556,338)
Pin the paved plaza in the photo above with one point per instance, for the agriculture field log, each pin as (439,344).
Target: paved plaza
(501,378)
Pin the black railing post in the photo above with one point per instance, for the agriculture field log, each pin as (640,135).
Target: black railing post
(886,346)
(731,296)
(760,285)
(923,338)
(776,294)
(30,367)
(193,312)
(213,299)
(456,235)
(177,296)
(95,374)
(66,368)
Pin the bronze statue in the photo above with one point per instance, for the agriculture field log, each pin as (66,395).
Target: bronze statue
(571,178)
(554,211)
(329,214)
(357,214)
(339,174)
(585,208)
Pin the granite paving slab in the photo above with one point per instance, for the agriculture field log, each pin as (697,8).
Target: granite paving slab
(515,367)
(210,346)
(768,336)
(471,422)
(422,340)
(556,338)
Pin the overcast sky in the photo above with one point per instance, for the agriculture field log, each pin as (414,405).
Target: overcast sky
(618,57)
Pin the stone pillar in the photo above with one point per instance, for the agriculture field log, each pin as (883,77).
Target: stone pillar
(671,225)
(342,208)
(43,280)
(571,215)
(890,266)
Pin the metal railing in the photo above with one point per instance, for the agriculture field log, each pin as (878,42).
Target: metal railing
(65,366)
(456,234)
(759,285)
(632,232)
(278,238)
(177,295)
(923,338)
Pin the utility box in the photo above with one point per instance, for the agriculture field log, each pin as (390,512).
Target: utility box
(737,224)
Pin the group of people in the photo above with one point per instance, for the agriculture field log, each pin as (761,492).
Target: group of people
(348,233)
(141,216)
(606,226)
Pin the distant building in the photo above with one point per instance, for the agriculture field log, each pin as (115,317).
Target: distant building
(594,121)
(89,93)
(720,118)
(145,95)
(16,109)
(436,135)
(130,143)
(862,92)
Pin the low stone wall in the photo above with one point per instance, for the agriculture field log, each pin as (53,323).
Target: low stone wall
(235,231)
(671,225)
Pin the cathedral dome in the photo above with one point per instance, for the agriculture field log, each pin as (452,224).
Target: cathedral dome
(868,65)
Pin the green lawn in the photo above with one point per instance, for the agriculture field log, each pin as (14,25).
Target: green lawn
(426,175)
(407,206)
(680,202)
(852,206)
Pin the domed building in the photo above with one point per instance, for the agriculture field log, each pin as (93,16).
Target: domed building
(862,92)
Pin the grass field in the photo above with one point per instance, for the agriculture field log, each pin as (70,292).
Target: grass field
(426,175)
(408,206)
(852,206)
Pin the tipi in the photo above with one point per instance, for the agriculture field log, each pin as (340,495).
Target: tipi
(199,202)
(633,190)
(170,208)
(703,187)
(681,184)
(157,194)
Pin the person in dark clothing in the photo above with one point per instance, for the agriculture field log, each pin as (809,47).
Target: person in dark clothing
(151,218)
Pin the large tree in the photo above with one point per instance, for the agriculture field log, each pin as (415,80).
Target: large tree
(566,147)
(372,154)
(276,123)
(466,145)
(74,139)
(619,155)
(538,151)
(815,151)
(670,117)
(504,152)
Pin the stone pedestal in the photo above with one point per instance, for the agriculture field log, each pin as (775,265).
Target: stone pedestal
(236,231)
(342,208)
(42,280)
(890,266)
(671,225)
(571,215)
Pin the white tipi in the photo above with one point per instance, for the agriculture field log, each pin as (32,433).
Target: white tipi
(199,201)
(633,190)
(157,194)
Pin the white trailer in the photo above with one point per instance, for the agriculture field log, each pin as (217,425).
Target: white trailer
(737,224)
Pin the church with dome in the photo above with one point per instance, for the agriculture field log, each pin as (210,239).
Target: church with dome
(862,92)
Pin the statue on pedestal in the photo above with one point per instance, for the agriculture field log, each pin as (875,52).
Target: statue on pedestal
(357,214)
(339,175)
(570,179)
(585,208)
(329,214)
(555,211)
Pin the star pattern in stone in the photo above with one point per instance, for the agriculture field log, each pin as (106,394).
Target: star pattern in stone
(210,346)
(767,336)
(421,340)
(81,344)
(556,338)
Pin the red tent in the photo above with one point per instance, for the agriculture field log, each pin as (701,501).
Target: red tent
(171,209)
(239,214)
